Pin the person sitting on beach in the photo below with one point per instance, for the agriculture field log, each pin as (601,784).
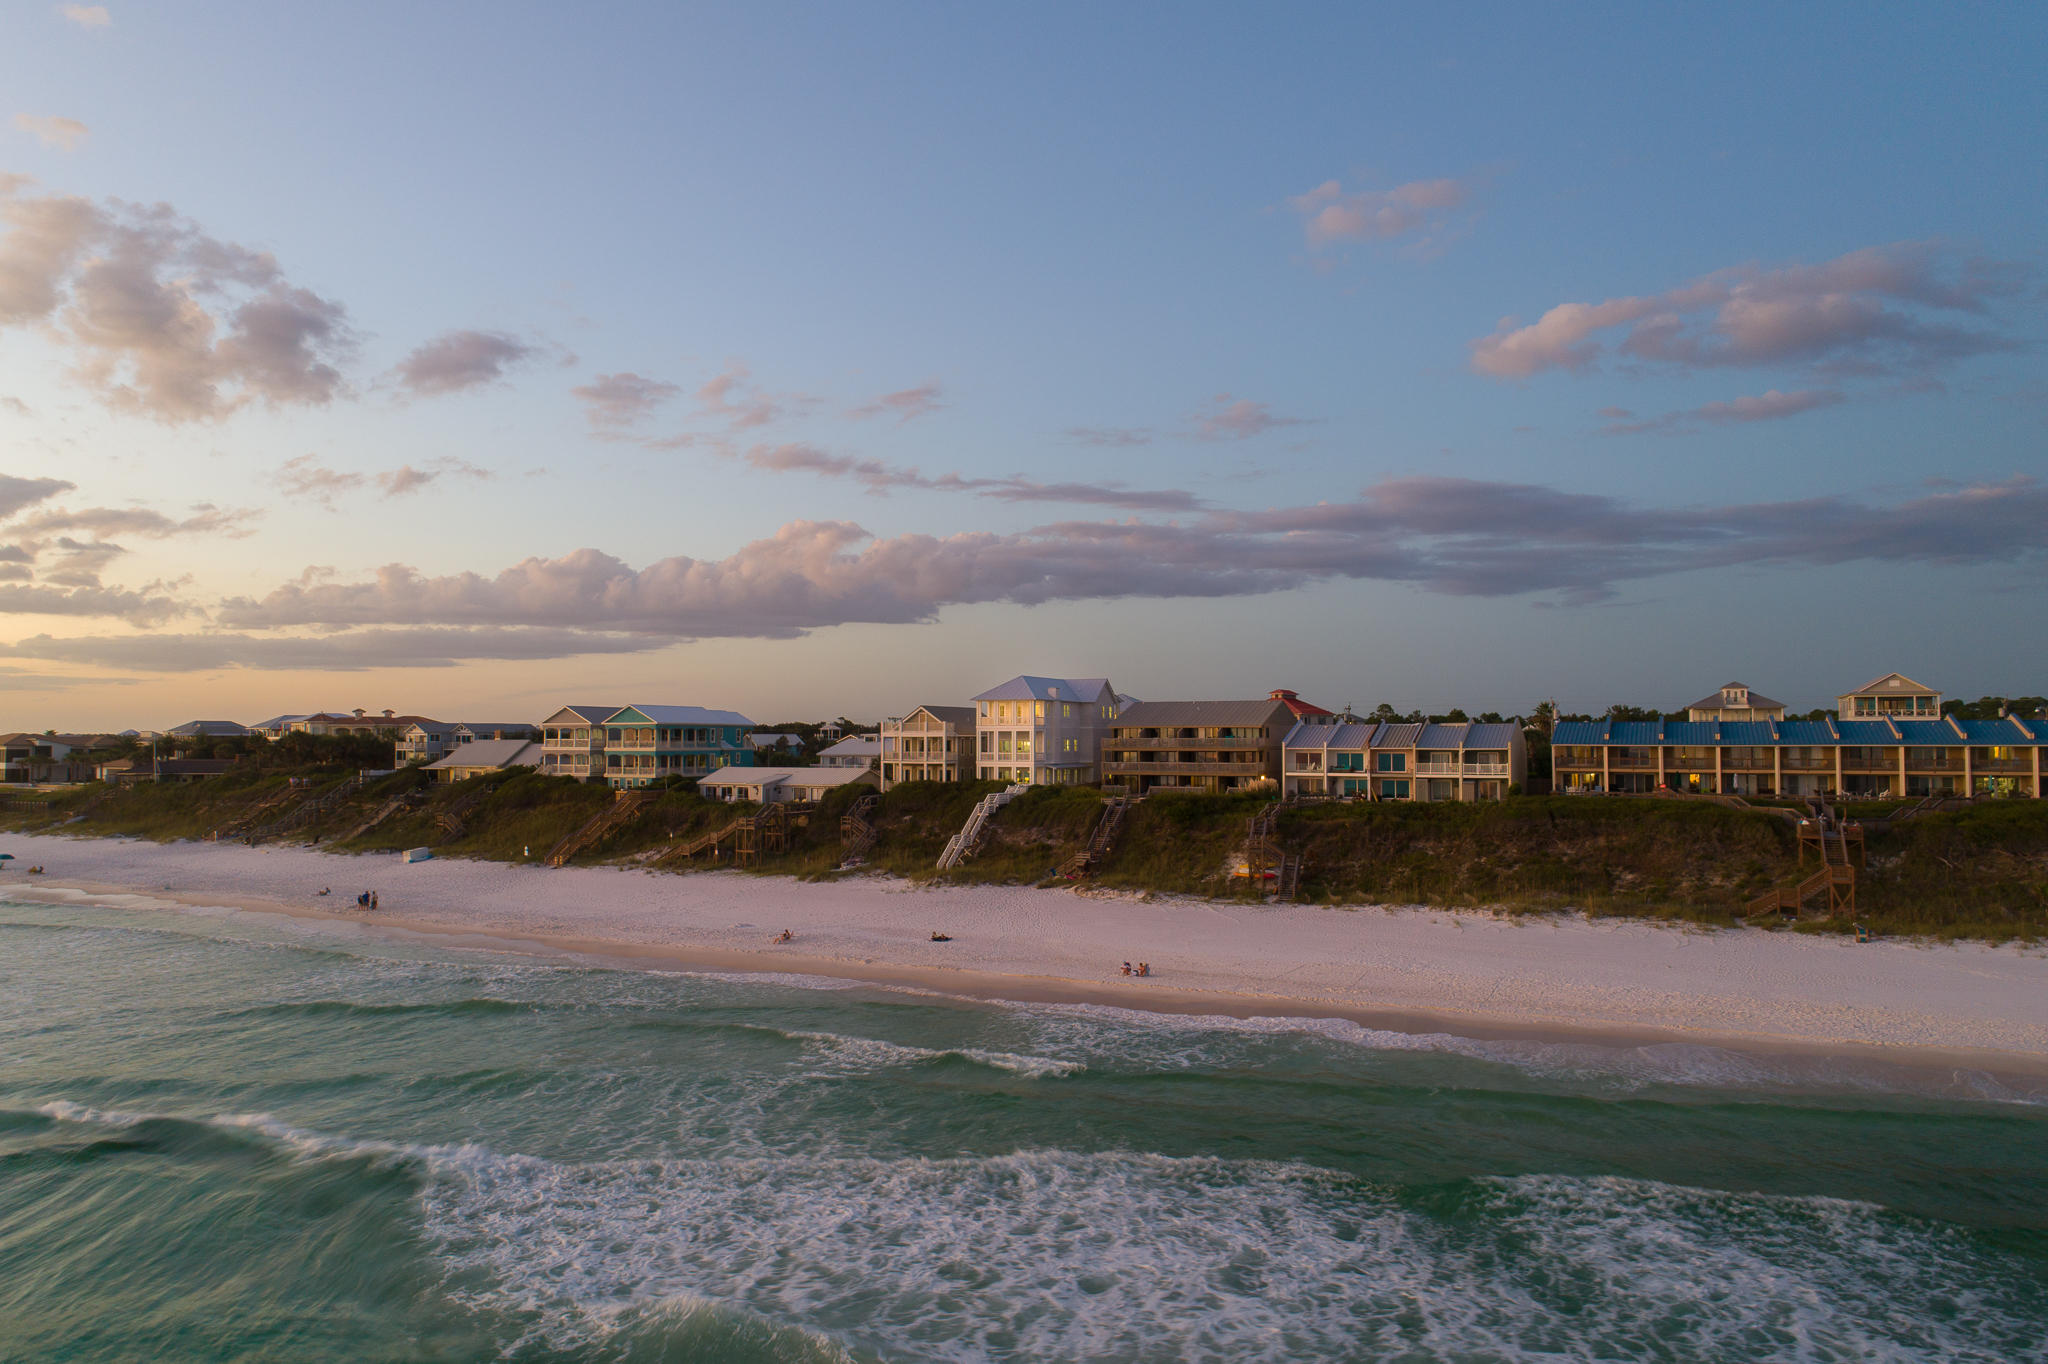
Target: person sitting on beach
(1127,968)
(941,937)
(325,890)
(785,936)
(1144,968)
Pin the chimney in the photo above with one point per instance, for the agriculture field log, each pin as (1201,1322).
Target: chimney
(360,712)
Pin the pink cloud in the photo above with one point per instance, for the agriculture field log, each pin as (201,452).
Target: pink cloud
(1333,215)
(1870,310)
(904,405)
(1239,419)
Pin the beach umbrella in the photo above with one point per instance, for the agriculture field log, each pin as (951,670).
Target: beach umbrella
(6,857)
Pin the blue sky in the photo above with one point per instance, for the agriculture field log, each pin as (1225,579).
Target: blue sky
(809,360)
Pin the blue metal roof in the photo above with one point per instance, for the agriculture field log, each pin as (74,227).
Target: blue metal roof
(1491,736)
(1869,733)
(1805,733)
(1749,733)
(1645,732)
(1928,733)
(1579,732)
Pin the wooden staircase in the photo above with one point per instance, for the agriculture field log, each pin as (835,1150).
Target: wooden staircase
(766,830)
(305,810)
(1288,887)
(1840,848)
(382,813)
(1101,839)
(968,841)
(264,811)
(857,832)
(625,805)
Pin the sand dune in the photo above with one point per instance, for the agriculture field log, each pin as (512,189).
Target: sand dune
(1412,968)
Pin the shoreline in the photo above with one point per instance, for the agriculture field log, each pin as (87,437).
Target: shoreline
(1406,970)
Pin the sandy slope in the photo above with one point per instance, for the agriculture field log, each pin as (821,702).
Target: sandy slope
(1416,968)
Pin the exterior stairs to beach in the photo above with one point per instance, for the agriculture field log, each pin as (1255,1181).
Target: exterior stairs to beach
(1839,845)
(453,820)
(1288,887)
(305,810)
(1264,860)
(968,841)
(1100,841)
(857,832)
(250,819)
(625,805)
(382,813)
(765,830)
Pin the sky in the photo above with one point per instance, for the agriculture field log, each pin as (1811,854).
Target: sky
(810,360)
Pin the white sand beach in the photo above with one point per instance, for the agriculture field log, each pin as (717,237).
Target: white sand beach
(1413,969)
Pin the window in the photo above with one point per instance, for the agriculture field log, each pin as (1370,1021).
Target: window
(984,715)
(611,736)
(1394,762)
(1393,790)
(988,743)
(1041,710)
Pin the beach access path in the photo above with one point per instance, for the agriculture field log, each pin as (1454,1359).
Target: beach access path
(1409,968)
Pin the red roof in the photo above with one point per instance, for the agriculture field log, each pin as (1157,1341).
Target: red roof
(1300,708)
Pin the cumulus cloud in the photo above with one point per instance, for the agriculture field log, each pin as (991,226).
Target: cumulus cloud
(1446,535)
(1332,215)
(612,402)
(879,477)
(904,405)
(458,360)
(160,318)
(1880,309)
(1772,405)
(17,493)
(53,130)
(1238,419)
(86,16)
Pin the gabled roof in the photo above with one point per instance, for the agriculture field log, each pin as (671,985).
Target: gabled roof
(222,727)
(1890,682)
(1029,688)
(775,776)
(854,745)
(1296,707)
(951,715)
(429,727)
(1201,714)
(1323,734)
(491,753)
(589,715)
(1757,701)
(1402,735)
(678,715)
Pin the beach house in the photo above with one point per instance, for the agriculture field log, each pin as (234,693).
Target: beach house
(480,757)
(772,785)
(572,741)
(1893,696)
(855,750)
(422,742)
(932,743)
(1208,746)
(646,744)
(1465,761)
(1043,730)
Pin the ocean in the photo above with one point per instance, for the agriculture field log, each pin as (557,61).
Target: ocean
(227,1136)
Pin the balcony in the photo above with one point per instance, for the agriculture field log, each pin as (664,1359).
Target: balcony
(1184,769)
(1168,741)
(1632,764)
(1484,770)
(1980,766)
(1795,764)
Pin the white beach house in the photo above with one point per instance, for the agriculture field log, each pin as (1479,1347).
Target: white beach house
(1043,730)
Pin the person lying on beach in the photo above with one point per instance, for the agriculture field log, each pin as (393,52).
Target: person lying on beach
(785,936)
(324,890)
(942,937)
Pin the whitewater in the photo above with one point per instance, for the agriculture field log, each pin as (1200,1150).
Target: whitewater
(225,1136)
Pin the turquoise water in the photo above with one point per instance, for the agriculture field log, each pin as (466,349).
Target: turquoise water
(224,1136)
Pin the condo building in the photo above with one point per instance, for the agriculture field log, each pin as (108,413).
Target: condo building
(1043,730)
(1886,754)
(1419,762)
(932,743)
(1208,746)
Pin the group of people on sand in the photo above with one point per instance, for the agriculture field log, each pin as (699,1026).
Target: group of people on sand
(367,900)
(1143,968)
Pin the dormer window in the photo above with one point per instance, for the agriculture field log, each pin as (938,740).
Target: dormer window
(1735,696)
